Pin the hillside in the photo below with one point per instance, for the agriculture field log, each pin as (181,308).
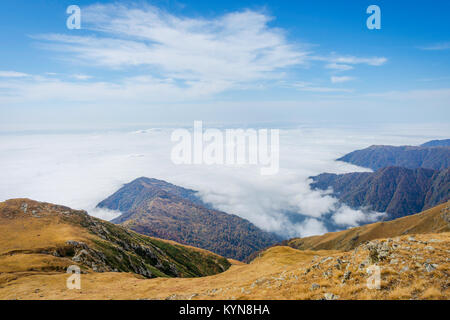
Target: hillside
(37,238)
(432,155)
(434,220)
(411,267)
(397,191)
(157,208)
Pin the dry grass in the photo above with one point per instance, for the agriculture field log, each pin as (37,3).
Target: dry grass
(280,273)
(429,221)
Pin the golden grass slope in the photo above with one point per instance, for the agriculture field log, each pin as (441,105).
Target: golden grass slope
(34,237)
(429,221)
(280,273)
(412,267)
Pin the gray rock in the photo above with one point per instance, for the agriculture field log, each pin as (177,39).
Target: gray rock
(24,207)
(404,269)
(430,267)
(314,286)
(330,296)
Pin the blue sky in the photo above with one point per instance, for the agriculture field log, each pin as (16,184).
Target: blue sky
(177,61)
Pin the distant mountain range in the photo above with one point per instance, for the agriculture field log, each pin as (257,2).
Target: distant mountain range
(394,190)
(431,155)
(160,209)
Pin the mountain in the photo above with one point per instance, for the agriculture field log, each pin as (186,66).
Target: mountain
(434,220)
(160,209)
(432,155)
(437,143)
(397,191)
(413,266)
(38,237)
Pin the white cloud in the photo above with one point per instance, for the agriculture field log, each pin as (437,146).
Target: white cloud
(347,217)
(81,76)
(12,74)
(80,170)
(335,61)
(234,48)
(375,61)
(338,67)
(437,46)
(325,89)
(335,79)
(170,58)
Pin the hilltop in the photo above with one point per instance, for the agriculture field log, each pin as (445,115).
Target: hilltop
(43,238)
(160,209)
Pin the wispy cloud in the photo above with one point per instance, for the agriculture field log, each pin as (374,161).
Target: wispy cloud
(13,74)
(81,76)
(335,79)
(338,67)
(310,87)
(343,61)
(190,57)
(436,47)
(235,48)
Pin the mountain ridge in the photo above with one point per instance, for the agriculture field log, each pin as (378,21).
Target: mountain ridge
(158,208)
(431,155)
(395,190)
(52,237)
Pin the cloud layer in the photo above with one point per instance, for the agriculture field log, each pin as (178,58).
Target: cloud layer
(79,170)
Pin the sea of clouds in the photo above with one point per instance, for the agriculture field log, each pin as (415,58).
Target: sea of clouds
(81,169)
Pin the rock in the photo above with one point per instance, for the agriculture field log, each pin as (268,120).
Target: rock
(394,261)
(429,248)
(412,239)
(346,276)
(328,274)
(430,267)
(314,286)
(24,207)
(76,244)
(377,251)
(404,269)
(325,259)
(330,296)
